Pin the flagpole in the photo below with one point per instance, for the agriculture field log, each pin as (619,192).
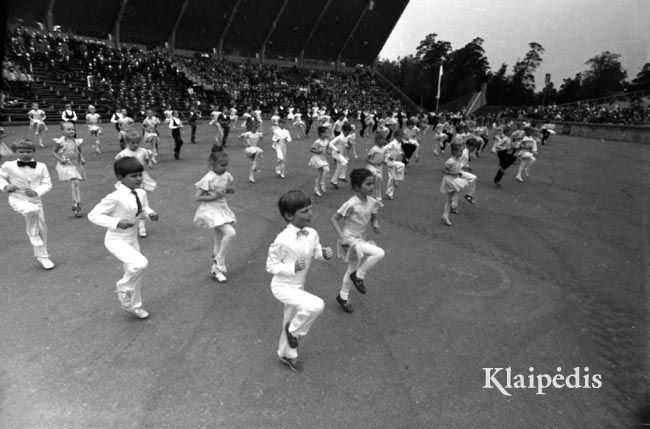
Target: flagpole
(438,92)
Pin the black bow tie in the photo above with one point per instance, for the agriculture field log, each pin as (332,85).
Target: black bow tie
(31,164)
(302,232)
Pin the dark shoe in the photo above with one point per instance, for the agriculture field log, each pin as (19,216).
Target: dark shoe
(176,155)
(293,341)
(358,283)
(345,304)
(497,184)
(453,210)
(292,363)
(334,185)
(343,179)
(470,199)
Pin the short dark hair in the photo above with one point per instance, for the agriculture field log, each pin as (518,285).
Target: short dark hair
(127,165)
(23,143)
(358,176)
(132,137)
(346,127)
(322,129)
(292,201)
(217,156)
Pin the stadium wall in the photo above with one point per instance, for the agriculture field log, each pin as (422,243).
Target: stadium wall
(625,133)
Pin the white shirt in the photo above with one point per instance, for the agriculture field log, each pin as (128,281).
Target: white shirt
(281,134)
(291,246)
(36,179)
(338,143)
(120,205)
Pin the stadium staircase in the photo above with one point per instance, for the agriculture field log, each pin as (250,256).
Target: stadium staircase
(51,94)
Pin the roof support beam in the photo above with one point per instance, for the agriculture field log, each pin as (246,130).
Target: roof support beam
(270,33)
(226,28)
(118,20)
(172,36)
(49,15)
(313,30)
(354,29)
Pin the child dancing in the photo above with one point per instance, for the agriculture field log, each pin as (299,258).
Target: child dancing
(119,212)
(318,161)
(394,164)
(252,139)
(26,181)
(288,260)
(281,137)
(527,152)
(70,165)
(214,213)
(454,180)
(144,157)
(361,255)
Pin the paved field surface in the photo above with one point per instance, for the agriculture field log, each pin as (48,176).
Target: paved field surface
(545,274)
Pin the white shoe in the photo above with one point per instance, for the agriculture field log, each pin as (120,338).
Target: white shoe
(317,192)
(250,179)
(142,232)
(139,312)
(221,277)
(519,179)
(282,175)
(46,263)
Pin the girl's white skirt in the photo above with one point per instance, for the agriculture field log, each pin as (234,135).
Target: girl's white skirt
(70,171)
(253,151)
(212,214)
(318,161)
(452,184)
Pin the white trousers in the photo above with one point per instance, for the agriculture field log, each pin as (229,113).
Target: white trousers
(300,309)
(32,210)
(127,249)
(281,155)
(341,167)
(395,173)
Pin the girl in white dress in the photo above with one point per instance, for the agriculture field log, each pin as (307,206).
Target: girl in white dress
(526,153)
(318,161)
(252,139)
(350,222)
(70,165)
(454,180)
(92,121)
(214,213)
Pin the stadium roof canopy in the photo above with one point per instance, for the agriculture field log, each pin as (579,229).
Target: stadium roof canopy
(348,31)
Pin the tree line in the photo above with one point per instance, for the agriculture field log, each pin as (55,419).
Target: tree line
(467,69)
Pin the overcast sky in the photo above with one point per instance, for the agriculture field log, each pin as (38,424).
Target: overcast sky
(571,31)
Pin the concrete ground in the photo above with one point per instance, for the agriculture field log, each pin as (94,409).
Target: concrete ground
(551,273)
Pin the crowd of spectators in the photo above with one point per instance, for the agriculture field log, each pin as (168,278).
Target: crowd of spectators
(636,112)
(266,86)
(633,112)
(136,79)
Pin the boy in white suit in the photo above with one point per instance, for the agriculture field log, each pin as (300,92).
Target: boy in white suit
(119,212)
(288,260)
(26,181)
